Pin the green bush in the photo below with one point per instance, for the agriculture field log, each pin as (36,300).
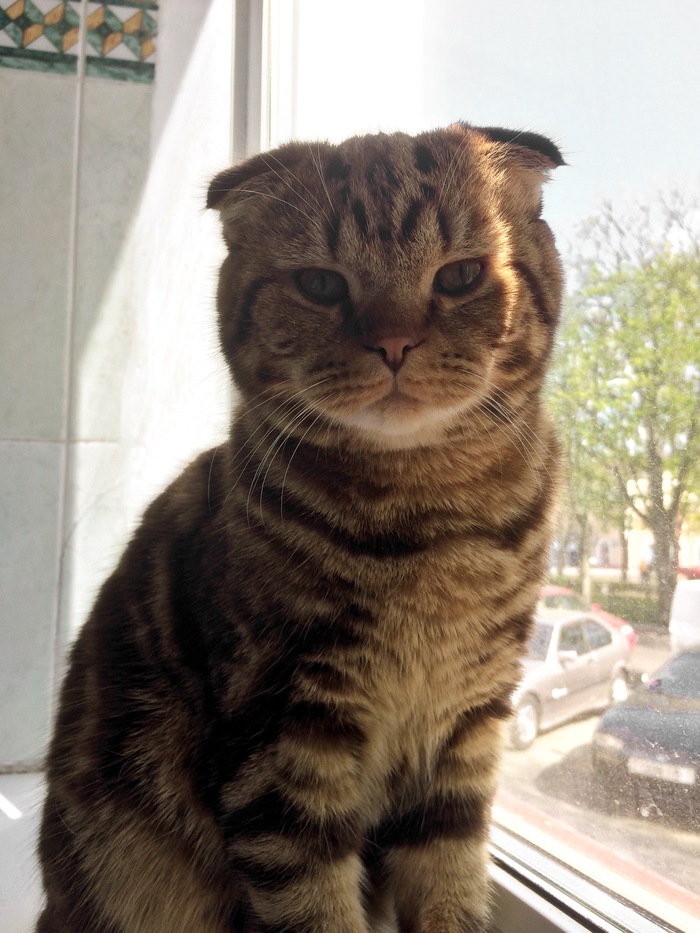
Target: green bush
(639,609)
(633,602)
(557,580)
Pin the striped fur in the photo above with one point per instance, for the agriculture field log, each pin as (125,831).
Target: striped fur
(285,711)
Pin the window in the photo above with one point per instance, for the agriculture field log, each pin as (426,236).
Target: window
(597,635)
(573,638)
(617,86)
(538,646)
(680,677)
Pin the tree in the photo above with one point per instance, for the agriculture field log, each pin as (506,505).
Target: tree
(626,386)
(587,489)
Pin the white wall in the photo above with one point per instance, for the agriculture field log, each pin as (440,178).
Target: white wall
(111,375)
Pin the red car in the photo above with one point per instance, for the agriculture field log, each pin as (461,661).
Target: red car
(561,597)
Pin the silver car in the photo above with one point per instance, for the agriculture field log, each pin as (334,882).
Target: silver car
(576,663)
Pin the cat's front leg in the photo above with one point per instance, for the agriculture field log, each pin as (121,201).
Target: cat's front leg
(436,850)
(294,820)
(441,886)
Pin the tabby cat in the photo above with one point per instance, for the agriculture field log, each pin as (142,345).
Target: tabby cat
(285,711)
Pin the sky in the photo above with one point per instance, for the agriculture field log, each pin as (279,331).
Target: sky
(615,83)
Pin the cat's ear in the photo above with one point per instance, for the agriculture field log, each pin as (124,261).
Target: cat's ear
(230,179)
(527,159)
(275,163)
(251,173)
(529,149)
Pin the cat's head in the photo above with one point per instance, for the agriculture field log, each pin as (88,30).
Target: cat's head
(388,285)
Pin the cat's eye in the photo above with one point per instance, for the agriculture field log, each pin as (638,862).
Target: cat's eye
(458,278)
(323,286)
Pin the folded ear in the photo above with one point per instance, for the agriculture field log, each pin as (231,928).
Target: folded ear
(530,149)
(526,159)
(275,164)
(254,176)
(231,178)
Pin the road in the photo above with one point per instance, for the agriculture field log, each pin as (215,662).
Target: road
(554,782)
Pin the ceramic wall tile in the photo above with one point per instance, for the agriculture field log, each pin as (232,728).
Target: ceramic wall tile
(20,887)
(150,389)
(97,531)
(121,40)
(44,35)
(40,35)
(114,164)
(176,390)
(29,513)
(36,144)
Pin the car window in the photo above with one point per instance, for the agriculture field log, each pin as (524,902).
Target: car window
(572,638)
(598,636)
(679,677)
(538,646)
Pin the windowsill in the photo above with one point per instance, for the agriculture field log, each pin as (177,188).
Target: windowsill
(538,894)
(533,892)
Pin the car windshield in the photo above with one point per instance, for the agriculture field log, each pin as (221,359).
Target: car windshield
(679,677)
(563,601)
(539,642)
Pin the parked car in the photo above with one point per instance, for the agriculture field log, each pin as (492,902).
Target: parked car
(576,663)
(684,627)
(652,740)
(690,573)
(562,597)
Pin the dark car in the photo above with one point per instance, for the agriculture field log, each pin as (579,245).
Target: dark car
(576,663)
(651,742)
(563,597)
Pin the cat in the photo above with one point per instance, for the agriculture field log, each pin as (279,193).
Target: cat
(286,708)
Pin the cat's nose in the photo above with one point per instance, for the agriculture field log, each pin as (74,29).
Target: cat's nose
(392,349)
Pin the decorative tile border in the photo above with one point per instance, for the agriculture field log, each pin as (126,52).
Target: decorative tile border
(44,35)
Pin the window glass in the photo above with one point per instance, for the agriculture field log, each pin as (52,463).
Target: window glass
(598,636)
(617,87)
(573,638)
(680,677)
(538,646)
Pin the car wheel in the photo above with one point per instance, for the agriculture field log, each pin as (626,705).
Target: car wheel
(619,688)
(525,723)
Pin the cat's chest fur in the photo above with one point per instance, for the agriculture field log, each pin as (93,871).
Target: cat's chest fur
(397,564)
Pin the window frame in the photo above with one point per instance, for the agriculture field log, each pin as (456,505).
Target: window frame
(538,893)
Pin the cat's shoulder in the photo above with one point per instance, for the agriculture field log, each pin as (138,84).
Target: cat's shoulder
(188,506)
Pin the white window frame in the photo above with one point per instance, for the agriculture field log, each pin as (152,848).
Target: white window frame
(536,893)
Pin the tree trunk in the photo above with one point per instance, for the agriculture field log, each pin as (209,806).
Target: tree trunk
(662,522)
(584,554)
(665,565)
(625,548)
(563,535)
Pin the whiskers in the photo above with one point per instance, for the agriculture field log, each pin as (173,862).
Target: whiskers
(313,209)
(455,165)
(513,423)
(504,419)
(289,421)
(299,416)
(266,194)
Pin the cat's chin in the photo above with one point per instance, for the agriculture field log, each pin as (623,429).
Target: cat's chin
(401,422)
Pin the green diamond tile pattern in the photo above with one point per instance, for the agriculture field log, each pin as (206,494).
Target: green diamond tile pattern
(44,35)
